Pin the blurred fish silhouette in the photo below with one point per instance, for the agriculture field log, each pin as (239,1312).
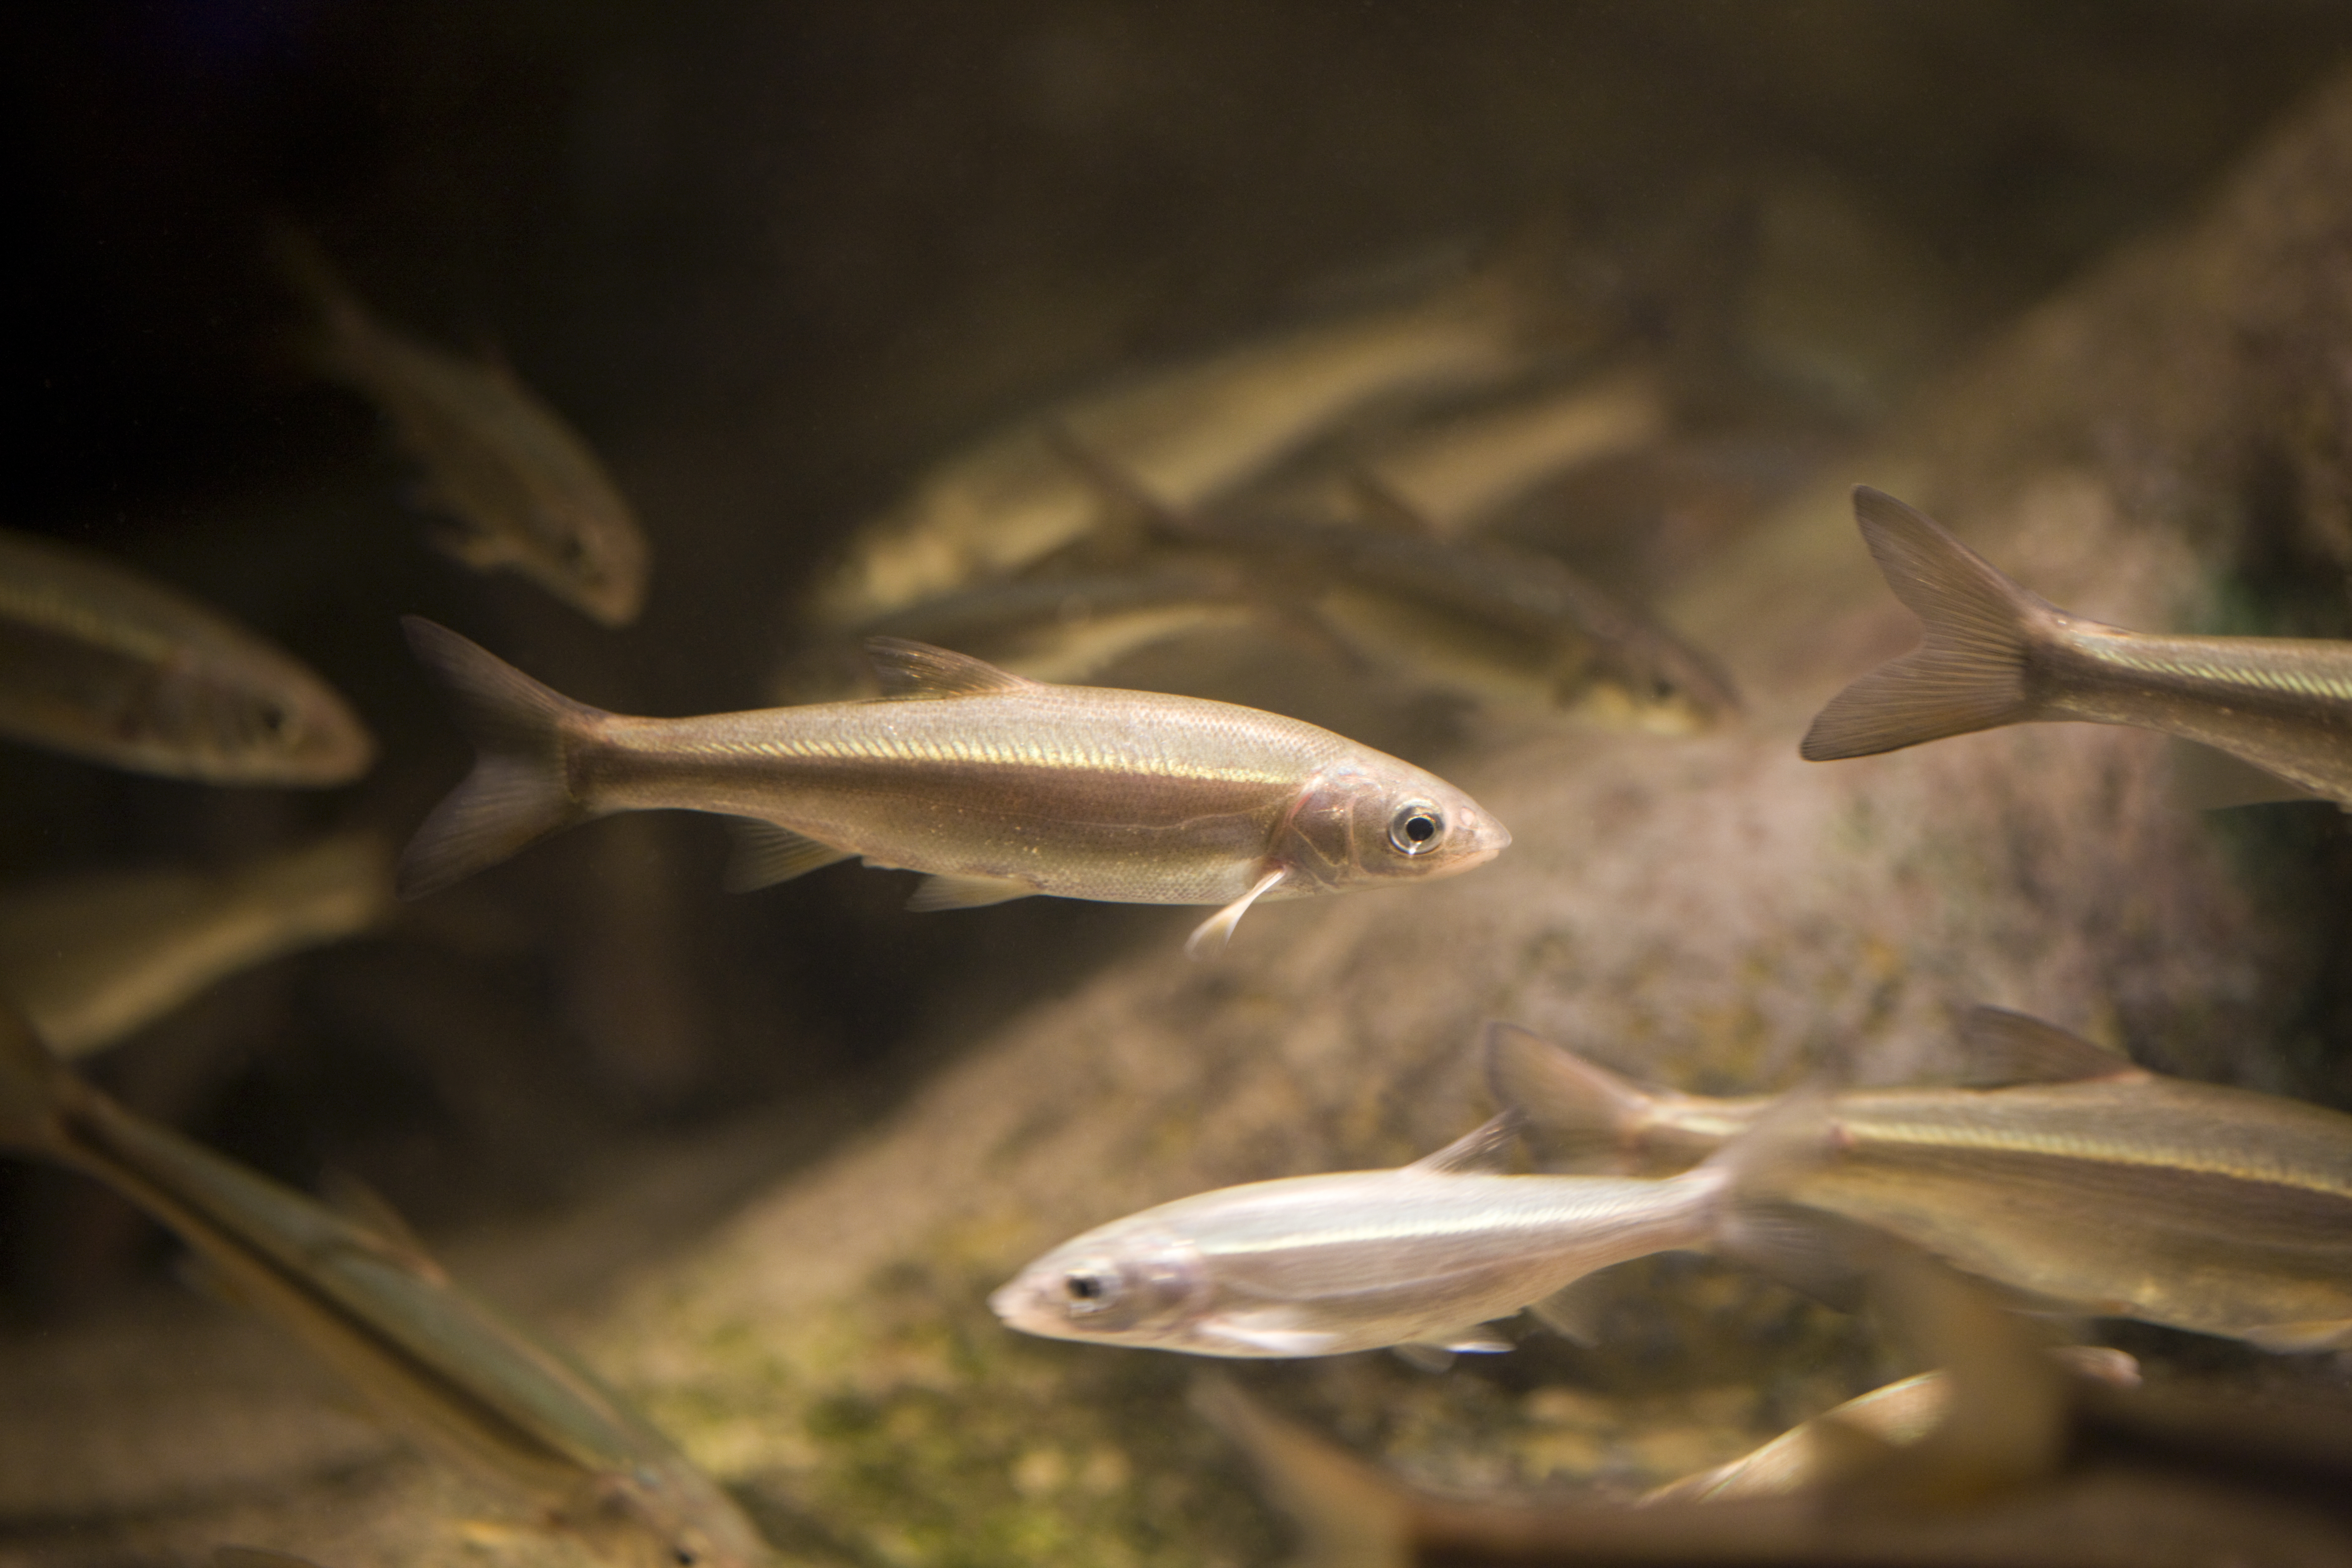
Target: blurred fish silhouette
(449,1371)
(1188,433)
(1994,653)
(526,492)
(996,786)
(103,664)
(94,957)
(2076,1178)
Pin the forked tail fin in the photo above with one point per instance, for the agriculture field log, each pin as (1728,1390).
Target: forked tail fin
(1972,669)
(520,788)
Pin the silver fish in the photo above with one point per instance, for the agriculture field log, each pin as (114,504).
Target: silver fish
(1419,1257)
(103,664)
(95,957)
(525,491)
(2082,1181)
(997,786)
(1187,432)
(451,1372)
(1993,653)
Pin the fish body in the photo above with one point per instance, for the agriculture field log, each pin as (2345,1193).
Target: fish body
(93,959)
(525,491)
(997,786)
(1417,1256)
(1901,1412)
(1994,653)
(1506,627)
(1186,434)
(103,664)
(448,1370)
(1462,471)
(2115,1192)
(1050,629)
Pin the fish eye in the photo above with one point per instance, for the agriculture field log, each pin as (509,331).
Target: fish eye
(1416,829)
(683,1556)
(1089,1290)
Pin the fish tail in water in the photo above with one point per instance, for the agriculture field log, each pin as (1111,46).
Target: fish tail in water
(1576,1104)
(520,791)
(33,1087)
(1972,668)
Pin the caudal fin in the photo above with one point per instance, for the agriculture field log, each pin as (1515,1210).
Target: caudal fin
(519,790)
(1972,668)
(32,1084)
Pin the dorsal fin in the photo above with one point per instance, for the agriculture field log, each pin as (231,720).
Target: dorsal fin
(1485,1148)
(917,669)
(2005,1047)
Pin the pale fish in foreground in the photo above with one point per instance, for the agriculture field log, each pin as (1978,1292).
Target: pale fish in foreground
(2082,1181)
(1993,653)
(1901,1412)
(92,958)
(448,1370)
(524,490)
(996,786)
(1187,432)
(1415,1258)
(103,664)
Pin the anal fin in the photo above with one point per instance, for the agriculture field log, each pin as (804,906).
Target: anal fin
(944,891)
(766,854)
(1574,1311)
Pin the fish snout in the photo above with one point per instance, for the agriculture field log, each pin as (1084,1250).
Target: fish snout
(1483,837)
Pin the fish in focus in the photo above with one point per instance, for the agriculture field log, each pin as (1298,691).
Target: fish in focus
(523,489)
(1417,1257)
(996,786)
(2074,1177)
(1901,1412)
(448,1370)
(1993,653)
(1187,432)
(93,958)
(103,664)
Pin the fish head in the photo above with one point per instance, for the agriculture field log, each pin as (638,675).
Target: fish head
(252,720)
(1123,1284)
(1377,819)
(588,551)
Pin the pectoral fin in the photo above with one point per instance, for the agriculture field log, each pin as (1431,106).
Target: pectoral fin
(766,854)
(1218,928)
(945,893)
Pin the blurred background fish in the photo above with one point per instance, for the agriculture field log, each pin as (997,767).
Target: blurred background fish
(523,491)
(448,1370)
(97,956)
(102,663)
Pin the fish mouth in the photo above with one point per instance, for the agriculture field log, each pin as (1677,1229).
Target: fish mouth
(1016,1304)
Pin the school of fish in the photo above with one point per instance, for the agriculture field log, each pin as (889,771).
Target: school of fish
(1166,511)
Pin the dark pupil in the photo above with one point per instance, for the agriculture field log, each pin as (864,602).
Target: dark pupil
(1084,1287)
(1420,829)
(683,1556)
